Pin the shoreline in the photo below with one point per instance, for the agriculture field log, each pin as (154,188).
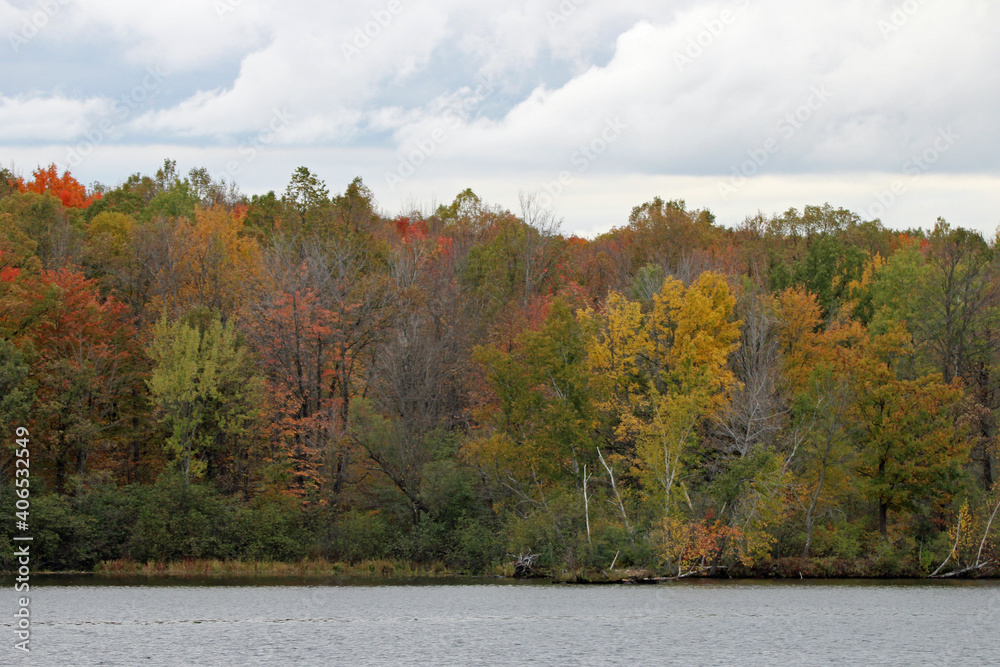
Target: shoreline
(782,569)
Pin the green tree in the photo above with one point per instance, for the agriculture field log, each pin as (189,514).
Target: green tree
(16,397)
(203,384)
(56,231)
(307,195)
(540,412)
(355,209)
(909,447)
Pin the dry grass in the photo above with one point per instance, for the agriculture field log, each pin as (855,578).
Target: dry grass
(317,567)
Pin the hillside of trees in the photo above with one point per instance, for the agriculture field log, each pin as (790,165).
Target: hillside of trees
(296,375)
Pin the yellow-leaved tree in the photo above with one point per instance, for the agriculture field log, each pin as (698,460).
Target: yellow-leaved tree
(662,374)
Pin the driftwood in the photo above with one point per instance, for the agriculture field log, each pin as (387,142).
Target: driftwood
(978,564)
(524,564)
(677,577)
(956,573)
(692,573)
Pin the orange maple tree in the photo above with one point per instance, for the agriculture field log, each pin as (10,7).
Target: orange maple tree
(70,191)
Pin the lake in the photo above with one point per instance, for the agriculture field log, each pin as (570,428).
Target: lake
(94,621)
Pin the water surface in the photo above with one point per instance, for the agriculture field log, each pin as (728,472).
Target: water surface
(90,621)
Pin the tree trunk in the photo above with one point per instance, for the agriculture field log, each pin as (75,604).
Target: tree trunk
(133,474)
(883,520)
(60,475)
(987,469)
(809,533)
(718,558)
(812,509)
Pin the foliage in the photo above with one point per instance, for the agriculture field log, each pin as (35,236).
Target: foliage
(67,189)
(204,386)
(295,375)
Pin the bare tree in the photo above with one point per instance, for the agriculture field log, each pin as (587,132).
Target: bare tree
(416,379)
(758,412)
(537,256)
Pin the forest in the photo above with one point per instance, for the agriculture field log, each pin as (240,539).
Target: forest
(296,375)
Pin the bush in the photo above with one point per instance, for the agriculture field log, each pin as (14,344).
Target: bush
(269,531)
(63,538)
(478,546)
(358,536)
(115,512)
(179,520)
(842,539)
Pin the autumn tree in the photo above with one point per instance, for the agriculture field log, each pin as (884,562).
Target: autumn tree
(267,214)
(539,248)
(9,183)
(959,288)
(662,375)
(211,192)
(539,415)
(909,447)
(957,323)
(206,262)
(316,327)
(817,364)
(85,365)
(749,466)
(54,229)
(666,232)
(757,413)
(204,386)
(17,250)
(67,189)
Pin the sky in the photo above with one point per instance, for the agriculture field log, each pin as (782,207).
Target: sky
(889,109)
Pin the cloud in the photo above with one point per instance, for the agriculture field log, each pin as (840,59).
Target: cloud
(833,90)
(178,35)
(700,92)
(42,117)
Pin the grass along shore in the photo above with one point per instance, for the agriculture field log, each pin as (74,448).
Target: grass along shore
(384,568)
(779,568)
(316,567)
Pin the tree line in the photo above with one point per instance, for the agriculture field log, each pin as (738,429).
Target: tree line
(276,377)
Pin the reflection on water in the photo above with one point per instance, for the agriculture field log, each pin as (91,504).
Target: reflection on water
(183,621)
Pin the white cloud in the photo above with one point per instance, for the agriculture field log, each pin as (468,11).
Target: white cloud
(41,117)
(704,113)
(178,35)
(511,94)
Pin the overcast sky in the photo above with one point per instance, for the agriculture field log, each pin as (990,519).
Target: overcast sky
(891,109)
